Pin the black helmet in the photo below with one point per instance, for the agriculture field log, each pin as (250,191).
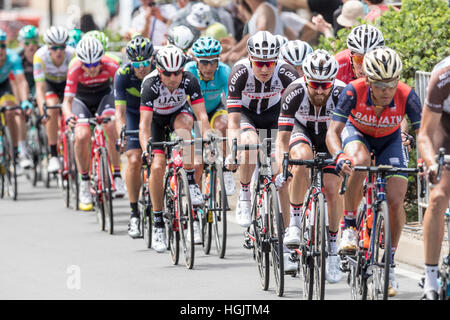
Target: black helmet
(139,49)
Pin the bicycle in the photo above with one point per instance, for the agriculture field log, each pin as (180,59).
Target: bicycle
(8,159)
(212,215)
(265,234)
(178,211)
(314,241)
(102,184)
(369,265)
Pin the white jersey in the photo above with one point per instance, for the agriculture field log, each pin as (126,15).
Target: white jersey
(45,69)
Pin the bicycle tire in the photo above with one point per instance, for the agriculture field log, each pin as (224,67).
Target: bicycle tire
(259,224)
(10,164)
(106,196)
(382,248)
(66,165)
(185,219)
(146,212)
(97,203)
(33,144)
(219,213)
(205,228)
(276,227)
(306,260)
(320,248)
(170,221)
(74,182)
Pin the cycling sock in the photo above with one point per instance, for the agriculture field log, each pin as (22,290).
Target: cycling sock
(190,176)
(431,274)
(23,147)
(116,172)
(158,218)
(84,176)
(53,150)
(296,216)
(245,191)
(349,219)
(134,210)
(333,242)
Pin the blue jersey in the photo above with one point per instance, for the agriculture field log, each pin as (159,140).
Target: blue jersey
(212,90)
(13,63)
(127,89)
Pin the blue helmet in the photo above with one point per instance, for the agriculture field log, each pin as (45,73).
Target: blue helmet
(2,35)
(206,47)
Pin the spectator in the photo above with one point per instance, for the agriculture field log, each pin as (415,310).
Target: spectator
(219,32)
(151,20)
(179,18)
(324,7)
(87,23)
(225,17)
(356,11)
(199,19)
(376,7)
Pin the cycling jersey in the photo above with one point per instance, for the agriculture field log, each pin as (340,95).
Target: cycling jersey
(345,73)
(438,100)
(45,69)
(212,90)
(356,102)
(248,92)
(13,64)
(156,97)
(28,69)
(127,89)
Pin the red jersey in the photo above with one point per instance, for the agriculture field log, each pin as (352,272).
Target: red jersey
(78,82)
(345,73)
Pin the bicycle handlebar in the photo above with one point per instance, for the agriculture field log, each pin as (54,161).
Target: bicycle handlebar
(96,120)
(246,147)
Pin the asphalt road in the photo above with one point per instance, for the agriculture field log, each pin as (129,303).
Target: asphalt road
(50,252)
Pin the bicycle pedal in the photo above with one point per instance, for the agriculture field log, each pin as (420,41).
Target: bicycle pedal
(248,244)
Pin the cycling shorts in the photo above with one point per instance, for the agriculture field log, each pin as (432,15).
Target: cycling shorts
(132,123)
(219,111)
(104,107)
(388,150)
(263,122)
(6,93)
(54,90)
(160,122)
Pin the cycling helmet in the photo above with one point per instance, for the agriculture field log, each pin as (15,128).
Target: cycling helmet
(263,45)
(364,38)
(139,49)
(28,32)
(100,36)
(90,50)
(320,65)
(294,52)
(206,47)
(2,35)
(200,16)
(382,64)
(181,37)
(75,36)
(281,39)
(170,58)
(56,35)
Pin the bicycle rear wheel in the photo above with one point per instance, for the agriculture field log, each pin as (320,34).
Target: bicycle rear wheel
(10,165)
(106,196)
(66,166)
(382,253)
(306,259)
(320,246)
(219,211)
(145,209)
(73,181)
(185,219)
(275,235)
(258,228)
(170,221)
(98,204)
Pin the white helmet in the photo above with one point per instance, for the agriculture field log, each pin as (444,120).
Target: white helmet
(320,65)
(200,16)
(282,39)
(170,58)
(294,52)
(90,50)
(382,64)
(263,45)
(181,37)
(364,38)
(56,35)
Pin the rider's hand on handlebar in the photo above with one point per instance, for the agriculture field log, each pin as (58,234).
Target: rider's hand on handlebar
(432,173)
(71,121)
(342,167)
(229,163)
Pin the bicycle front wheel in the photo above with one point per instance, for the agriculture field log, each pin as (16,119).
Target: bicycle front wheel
(106,189)
(10,165)
(320,247)
(146,208)
(275,235)
(219,211)
(170,221)
(185,219)
(306,247)
(73,182)
(261,246)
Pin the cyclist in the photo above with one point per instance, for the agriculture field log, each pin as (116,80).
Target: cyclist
(307,106)
(368,115)
(434,134)
(29,40)
(10,63)
(294,52)
(360,40)
(88,92)
(181,37)
(127,93)
(51,63)
(75,36)
(255,86)
(213,77)
(164,104)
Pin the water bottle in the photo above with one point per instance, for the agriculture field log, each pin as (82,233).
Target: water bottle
(1,150)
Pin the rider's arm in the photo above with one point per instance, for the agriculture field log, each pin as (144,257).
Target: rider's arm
(70,90)
(24,90)
(425,136)
(39,79)
(120,100)
(148,95)
(413,109)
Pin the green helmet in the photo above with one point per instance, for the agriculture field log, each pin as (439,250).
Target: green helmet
(75,36)
(28,32)
(100,36)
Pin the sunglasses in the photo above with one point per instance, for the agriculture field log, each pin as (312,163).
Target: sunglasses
(139,64)
(316,84)
(205,62)
(55,48)
(168,73)
(2,45)
(260,64)
(28,42)
(357,59)
(383,85)
(90,65)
